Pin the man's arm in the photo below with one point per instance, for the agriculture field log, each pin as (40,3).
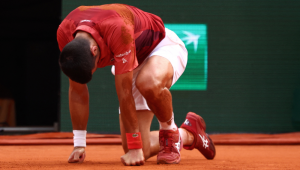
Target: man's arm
(79,110)
(79,105)
(128,116)
(127,106)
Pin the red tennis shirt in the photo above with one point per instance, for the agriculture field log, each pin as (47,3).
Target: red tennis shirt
(125,34)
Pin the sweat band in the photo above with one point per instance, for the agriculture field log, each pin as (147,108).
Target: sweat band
(79,138)
(134,140)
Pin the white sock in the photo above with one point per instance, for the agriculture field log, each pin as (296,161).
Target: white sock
(165,126)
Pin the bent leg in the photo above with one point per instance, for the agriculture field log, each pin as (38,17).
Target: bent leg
(153,82)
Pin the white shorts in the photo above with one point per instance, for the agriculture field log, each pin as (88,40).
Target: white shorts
(171,48)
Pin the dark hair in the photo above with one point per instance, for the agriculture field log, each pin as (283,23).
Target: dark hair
(76,60)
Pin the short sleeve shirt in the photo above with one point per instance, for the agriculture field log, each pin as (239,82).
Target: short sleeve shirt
(125,35)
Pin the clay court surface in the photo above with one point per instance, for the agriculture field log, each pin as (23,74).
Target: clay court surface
(18,155)
(108,157)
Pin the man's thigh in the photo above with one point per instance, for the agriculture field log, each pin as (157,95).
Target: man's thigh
(157,71)
(145,119)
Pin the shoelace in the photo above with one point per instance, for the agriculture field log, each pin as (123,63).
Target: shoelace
(167,143)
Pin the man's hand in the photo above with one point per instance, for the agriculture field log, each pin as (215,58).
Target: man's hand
(77,156)
(133,157)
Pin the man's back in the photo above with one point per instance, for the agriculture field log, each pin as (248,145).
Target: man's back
(121,31)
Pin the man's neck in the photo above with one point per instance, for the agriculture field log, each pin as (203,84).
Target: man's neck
(85,35)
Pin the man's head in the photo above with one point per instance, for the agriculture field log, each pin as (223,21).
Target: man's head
(78,59)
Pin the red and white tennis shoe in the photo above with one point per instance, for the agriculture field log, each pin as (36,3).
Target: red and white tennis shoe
(196,125)
(170,146)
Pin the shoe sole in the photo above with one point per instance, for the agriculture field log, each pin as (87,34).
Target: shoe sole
(168,162)
(213,148)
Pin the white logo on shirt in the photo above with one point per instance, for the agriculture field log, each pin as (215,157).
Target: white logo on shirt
(126,53)
(85,20)
(124,60)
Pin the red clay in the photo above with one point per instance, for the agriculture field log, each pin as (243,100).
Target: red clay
(58,138)
(238,157)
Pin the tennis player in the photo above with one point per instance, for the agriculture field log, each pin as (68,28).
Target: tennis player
(146,59)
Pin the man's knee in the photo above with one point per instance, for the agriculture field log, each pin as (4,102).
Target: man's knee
(148,85)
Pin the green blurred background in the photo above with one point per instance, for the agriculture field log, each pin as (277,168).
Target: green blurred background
(253,67)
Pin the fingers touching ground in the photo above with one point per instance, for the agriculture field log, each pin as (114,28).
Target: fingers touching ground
(132,162)
(77,156)
(133,157)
